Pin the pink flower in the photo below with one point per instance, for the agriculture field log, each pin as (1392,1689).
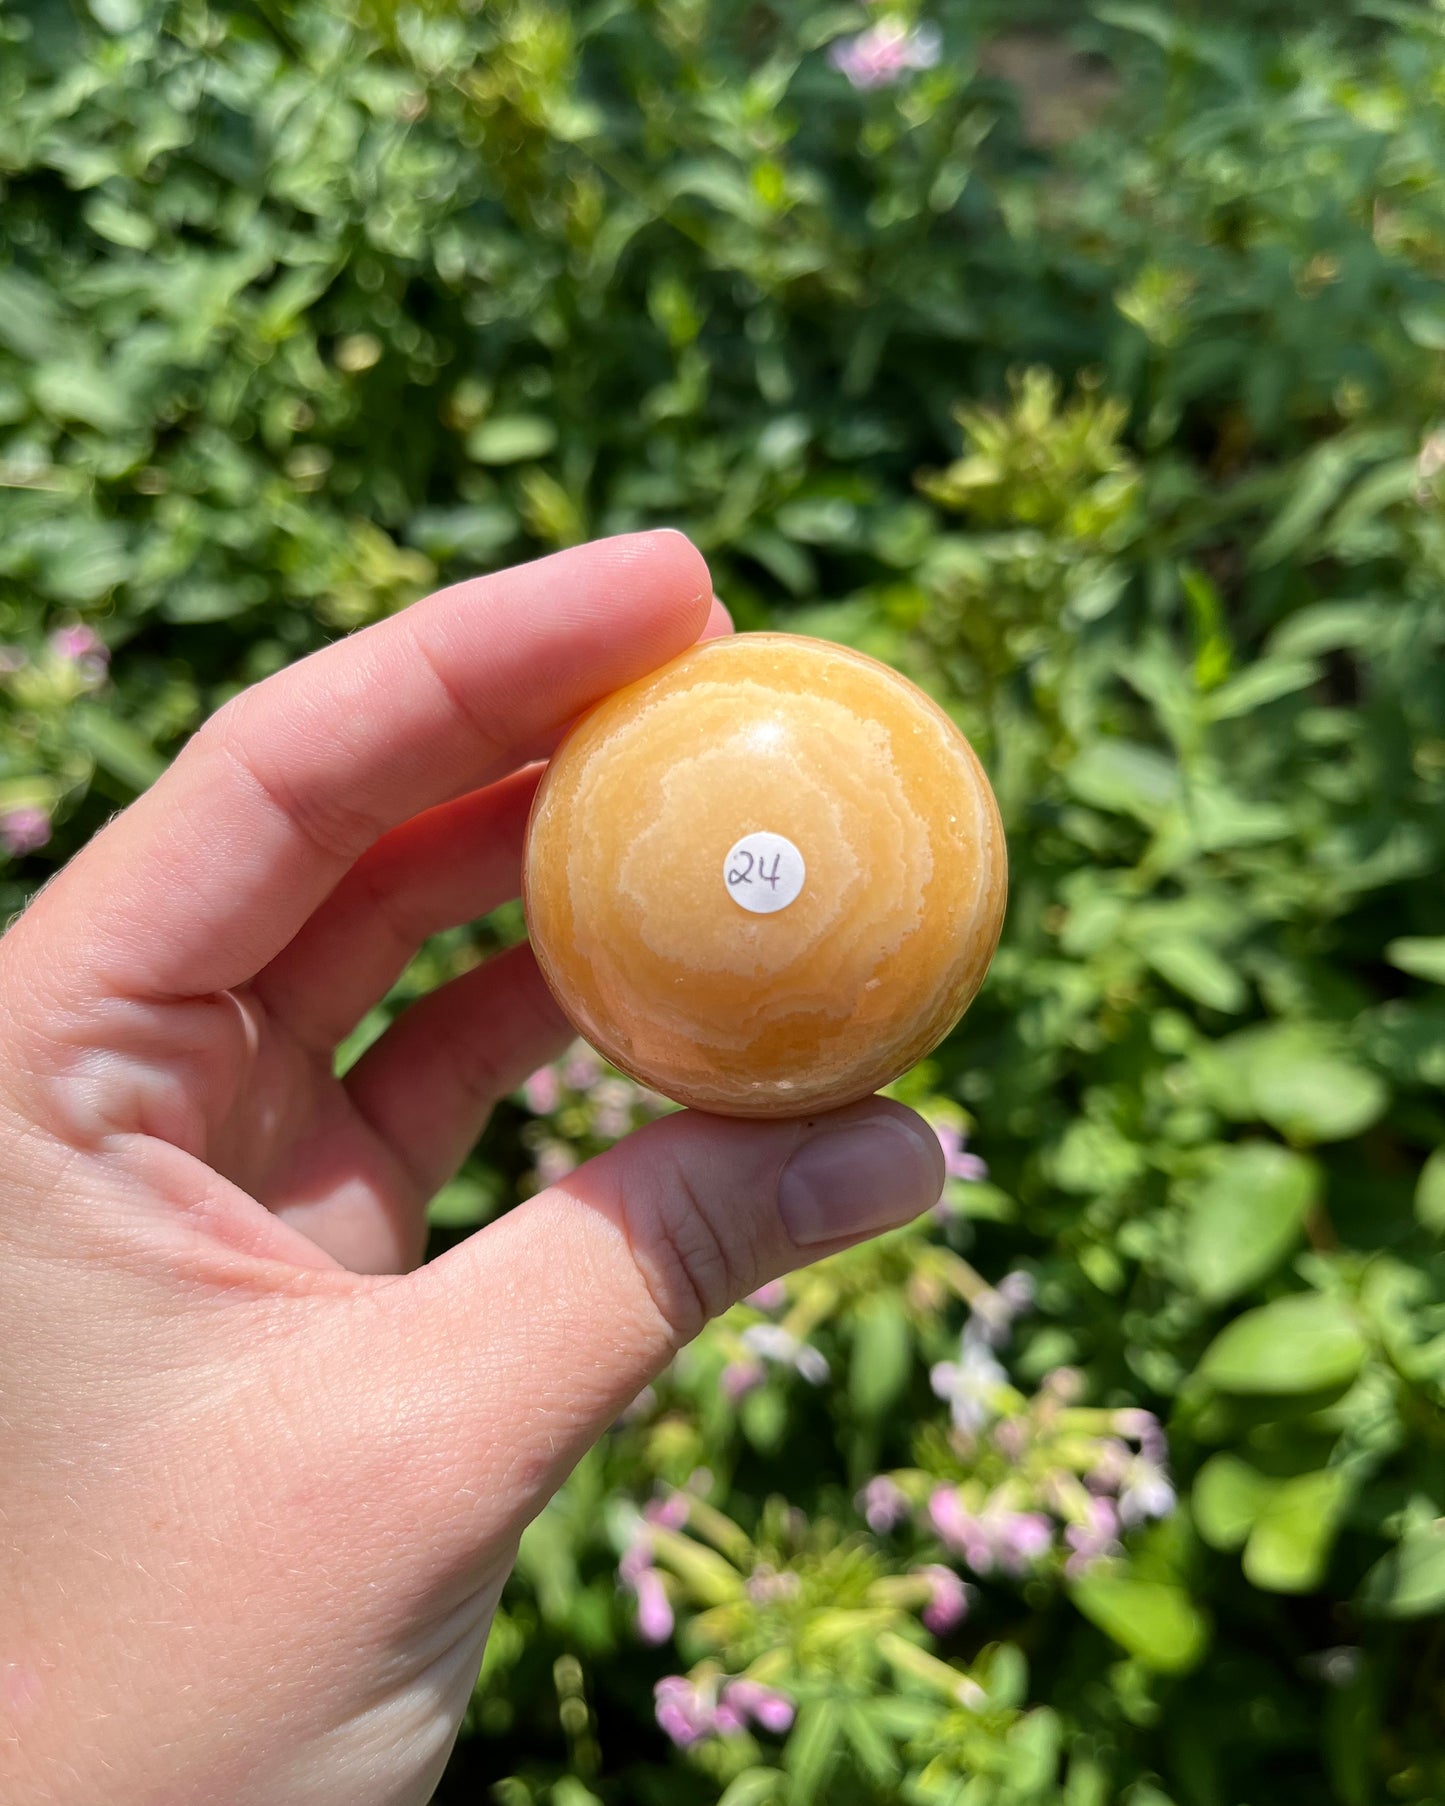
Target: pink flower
(654,1611)
(948,1603)
(1020,1538)
(771,1342)
(23,830)
(669,1513)
(883,1504)
(960,1530)
(768,1708)
(957,1163)
(1145,1429)
(766,1585)
(81,647)
(554,1161)
(770,1297)
(1110,1467)
(581,1069)
(1093,1539)
(740,1377)
(78,642)
(681,1710)
(611,1101)
(542,1091)
(995,1537)
(886,52)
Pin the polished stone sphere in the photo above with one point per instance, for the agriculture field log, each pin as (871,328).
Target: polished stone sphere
(767,878)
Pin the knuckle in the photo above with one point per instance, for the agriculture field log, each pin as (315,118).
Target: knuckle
(321,814)
(687,1260)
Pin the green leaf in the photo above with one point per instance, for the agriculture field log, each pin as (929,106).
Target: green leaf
(1125,778)
(117,747)
(511,439)
(812,1750)
(1430,1193)
(1198,971)
(1290,1543)
(1226,1498)
(1420,956)
(882,1355)
(1318,1097)
(1156,1622)
(875,1753)
(465,1202)
(1265,682)
(1292,1075)
(1409,1582)
(1424,325)
(1298,1344)
(753,1787)
(1244,1216)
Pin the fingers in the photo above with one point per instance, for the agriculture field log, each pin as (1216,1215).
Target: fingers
(537,1331)
(437,871)
(429,1084)
(203,881)
(441,869)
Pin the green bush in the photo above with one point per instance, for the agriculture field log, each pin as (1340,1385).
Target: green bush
(1120,435)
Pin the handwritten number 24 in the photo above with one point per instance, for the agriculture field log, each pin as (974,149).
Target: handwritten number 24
(756,870)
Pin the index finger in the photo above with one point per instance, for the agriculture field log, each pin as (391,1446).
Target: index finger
(204,879)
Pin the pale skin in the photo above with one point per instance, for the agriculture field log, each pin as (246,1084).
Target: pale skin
(262,1475)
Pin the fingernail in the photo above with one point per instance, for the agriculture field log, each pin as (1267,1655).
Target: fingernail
(859,1178)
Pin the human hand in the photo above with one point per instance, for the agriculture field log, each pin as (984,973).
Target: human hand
(260,1483)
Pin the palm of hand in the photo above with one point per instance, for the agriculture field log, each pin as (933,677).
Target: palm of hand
(269,1481)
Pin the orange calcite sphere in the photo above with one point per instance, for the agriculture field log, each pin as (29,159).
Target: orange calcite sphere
(767,878)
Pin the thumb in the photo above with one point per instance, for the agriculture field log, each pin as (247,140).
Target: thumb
(538,1330)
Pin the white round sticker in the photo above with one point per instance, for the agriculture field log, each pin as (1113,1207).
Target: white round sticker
(764,872)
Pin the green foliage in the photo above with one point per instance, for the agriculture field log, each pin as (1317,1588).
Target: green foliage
(1128,447)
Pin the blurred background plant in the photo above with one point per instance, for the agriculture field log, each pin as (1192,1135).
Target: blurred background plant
(1087,366)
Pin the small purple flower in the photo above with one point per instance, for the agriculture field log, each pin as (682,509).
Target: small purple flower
(970,1384)
(654,1610)
(83,649)
(1110,1466)
(885,52)
(611,1108)
(1145,1429)
(883,1504)
(948,1602)
(12,659)
(1019,1539)
(771,1342)
(995,1537)
(766,1706)
(767,1585)
(739,1378)
(770,1297)
(1092,1540)
(1146,1493)
(1011,1438)
(681,1710)
(24,830)
(669,1513)
(960,1530)
(1064,1384)
(581,1069)
(554,1161)
(957,1162)
(542,1091)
